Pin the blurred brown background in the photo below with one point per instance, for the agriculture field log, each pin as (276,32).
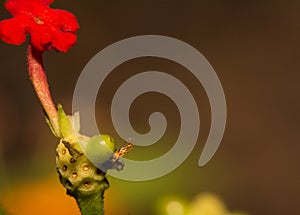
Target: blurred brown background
(254,48)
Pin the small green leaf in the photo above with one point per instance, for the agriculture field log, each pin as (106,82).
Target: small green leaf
(50,126)
(64,123)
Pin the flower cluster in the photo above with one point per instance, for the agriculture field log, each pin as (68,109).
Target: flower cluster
(48,28)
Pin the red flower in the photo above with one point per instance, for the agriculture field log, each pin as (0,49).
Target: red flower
(48,28)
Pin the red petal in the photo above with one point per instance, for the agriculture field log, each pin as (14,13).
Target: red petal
(12,31)
(64,41)
(16,7)
(13,6)
(44,38)
(64,20)
(41,38)
(47,2)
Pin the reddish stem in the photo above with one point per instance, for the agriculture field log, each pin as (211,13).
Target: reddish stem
(38,78)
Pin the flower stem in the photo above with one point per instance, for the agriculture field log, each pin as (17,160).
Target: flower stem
(39,80)
(93,204)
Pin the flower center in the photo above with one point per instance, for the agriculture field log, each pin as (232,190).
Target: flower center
(38,20)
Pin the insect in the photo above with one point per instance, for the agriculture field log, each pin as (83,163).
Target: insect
(123,151)
(115,162)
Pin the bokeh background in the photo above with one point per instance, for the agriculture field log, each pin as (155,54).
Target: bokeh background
(254,48)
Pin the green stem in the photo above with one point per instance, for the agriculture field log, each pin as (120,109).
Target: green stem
(39,80)
(91,205)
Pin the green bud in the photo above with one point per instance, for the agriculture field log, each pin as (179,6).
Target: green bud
(99,149)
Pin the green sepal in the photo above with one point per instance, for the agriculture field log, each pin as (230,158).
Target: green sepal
(50,126)
(65,125)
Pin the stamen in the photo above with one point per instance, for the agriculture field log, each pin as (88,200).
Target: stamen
(38,20)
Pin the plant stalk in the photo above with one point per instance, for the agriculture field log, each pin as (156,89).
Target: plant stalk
(91,205)
(38,78)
